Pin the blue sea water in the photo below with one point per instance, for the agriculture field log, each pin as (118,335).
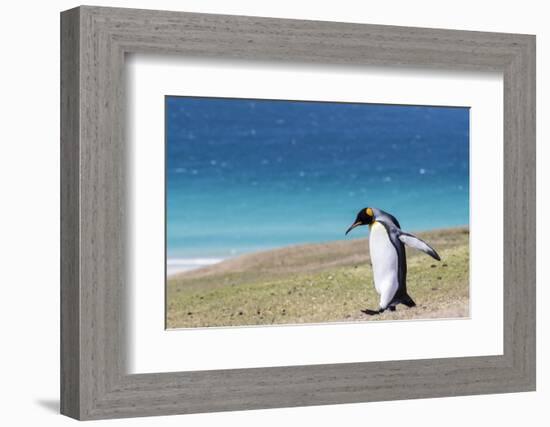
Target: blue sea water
(245,175)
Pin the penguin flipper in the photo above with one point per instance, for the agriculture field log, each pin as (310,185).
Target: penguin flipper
(417,243)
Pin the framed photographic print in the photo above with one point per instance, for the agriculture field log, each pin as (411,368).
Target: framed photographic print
(282,175)
(262,213)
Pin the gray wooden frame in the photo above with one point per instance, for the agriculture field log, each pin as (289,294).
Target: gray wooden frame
(94,382)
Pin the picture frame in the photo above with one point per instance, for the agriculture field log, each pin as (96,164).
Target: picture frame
(94,380)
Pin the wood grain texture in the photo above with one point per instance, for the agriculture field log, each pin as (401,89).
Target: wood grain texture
(70,292)
(94,272)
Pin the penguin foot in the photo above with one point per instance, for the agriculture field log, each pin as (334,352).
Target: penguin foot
(371,312)
(391,308)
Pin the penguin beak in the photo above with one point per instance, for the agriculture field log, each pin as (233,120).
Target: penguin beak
(352,227)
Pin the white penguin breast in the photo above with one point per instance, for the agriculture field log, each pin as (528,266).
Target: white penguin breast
(384,261)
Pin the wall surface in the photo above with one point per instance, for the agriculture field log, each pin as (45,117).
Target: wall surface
(29,237)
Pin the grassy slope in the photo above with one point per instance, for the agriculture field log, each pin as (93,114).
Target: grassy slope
(318,283)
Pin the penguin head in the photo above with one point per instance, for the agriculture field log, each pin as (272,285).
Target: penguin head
(364,217)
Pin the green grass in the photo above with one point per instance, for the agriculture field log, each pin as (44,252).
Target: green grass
(318,283)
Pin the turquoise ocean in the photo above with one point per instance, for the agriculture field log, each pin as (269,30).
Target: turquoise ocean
(246,175)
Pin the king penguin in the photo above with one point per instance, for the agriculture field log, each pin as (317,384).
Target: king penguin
(388,257)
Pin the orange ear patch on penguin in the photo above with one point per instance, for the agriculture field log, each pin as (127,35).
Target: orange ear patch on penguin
(369,212)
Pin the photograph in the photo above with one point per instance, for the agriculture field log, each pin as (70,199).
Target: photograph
(263,211)
(282,212)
